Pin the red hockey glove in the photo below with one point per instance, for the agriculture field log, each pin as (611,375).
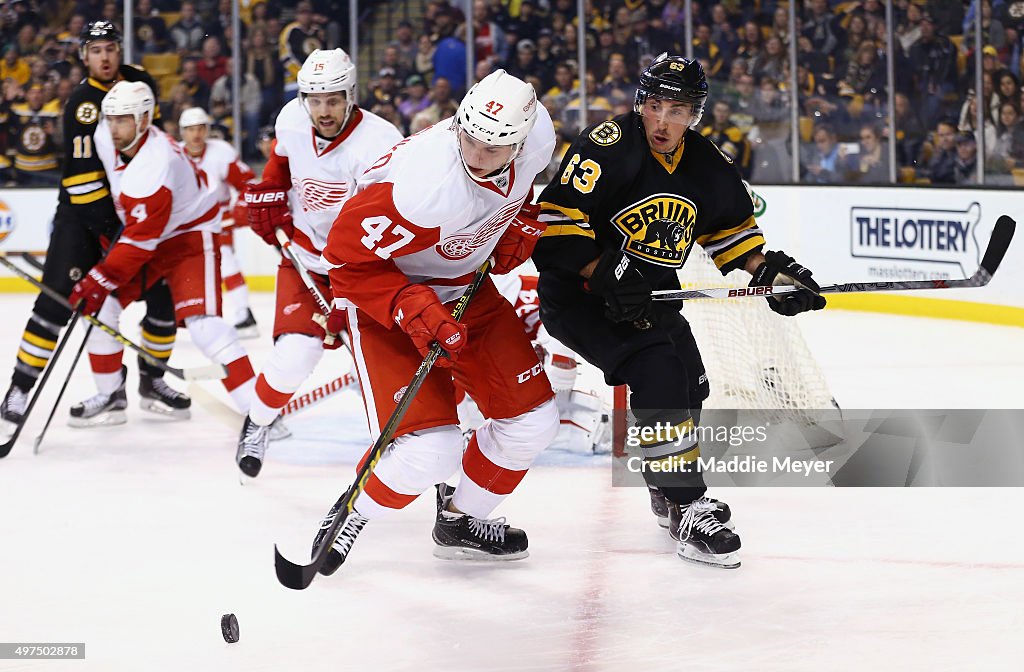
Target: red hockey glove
(518,241)
(267,206)
(334,325)
(421,315)
(91,291)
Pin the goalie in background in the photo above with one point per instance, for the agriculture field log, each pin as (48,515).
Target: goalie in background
(633,195)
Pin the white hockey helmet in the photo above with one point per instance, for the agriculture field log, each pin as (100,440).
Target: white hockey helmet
(194,116)
(326,71)
(134,98)
(498,110)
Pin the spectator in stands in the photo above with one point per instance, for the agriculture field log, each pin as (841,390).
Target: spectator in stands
(150,30)
(442,106)
(909,132)
(856,34)
(450,60)
(965,168)
(729,139)
(908,30)
(546,58)
(251,98)
(771,62)
(822,164)
(751,43)
(384,87)
(413,99)
(969,121)
(769,136)
(780,25)
(821,29)
(262,64)
(1008,150)
(406,44)
(424,63)
(1008,90)
(188,32)
(14,66)
(817,63)
(870,163)
(525,63)
(391,59)
(213,65)
(488,38)
(941,167)
(33,129)
(112,12)
(723,34)
(865,74)
(528,24)
(297,41)
(195,87)
(558,96)
(705,50)
(599,108)
(618,86)
(933,60)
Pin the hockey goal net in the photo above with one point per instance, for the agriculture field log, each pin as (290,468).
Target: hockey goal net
(754,358)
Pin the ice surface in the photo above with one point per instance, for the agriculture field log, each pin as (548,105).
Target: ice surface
(136,539)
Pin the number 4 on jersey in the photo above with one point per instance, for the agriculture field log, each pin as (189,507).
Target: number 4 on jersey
(138,213)
(376,227)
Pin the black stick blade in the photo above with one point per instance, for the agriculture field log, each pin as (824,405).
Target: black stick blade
(1002,234)
(296,577)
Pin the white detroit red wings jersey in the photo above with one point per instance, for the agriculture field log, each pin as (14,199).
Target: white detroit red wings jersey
(521,292)
(224,171)
(419,207)
(159,193)
(322,173)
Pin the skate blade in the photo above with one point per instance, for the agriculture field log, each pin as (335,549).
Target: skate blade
(247,333)
(720,561)
(461,554)
(105,419)
(662,521)
(160,408)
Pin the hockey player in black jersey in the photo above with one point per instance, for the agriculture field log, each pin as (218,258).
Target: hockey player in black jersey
(632,196)
(83,227)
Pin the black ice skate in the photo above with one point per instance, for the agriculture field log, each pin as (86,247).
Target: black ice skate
(102,409)
(350,529)
(459,536)
(247,328)
(702,538)
(252,445)
(659,507)
(12,409)
(159,397)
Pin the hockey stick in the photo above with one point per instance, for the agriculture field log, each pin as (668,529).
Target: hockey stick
(60,395)
(5,448)
(298,577)
(1002,234)
(325,308)
(209,372)
(32,261)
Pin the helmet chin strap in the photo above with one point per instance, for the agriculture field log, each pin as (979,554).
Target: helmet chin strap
(138,136)
(341,126)
(490,177)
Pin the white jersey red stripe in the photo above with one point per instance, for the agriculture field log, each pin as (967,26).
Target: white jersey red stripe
(226,173)
(322,174)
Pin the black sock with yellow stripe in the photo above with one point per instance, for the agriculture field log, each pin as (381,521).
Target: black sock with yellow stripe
(158,340)
(670,450)
(37,344)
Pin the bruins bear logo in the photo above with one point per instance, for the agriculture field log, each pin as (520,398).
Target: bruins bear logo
(658,229)
(87,113)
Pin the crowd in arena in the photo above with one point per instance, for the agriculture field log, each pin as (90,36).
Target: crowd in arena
(419,75)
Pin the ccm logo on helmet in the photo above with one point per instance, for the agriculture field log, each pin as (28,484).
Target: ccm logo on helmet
(264,197)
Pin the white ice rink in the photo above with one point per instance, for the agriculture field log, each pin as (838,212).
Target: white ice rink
(135,539)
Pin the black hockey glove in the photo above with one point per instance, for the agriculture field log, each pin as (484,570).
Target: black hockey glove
(625,291)
(780,263)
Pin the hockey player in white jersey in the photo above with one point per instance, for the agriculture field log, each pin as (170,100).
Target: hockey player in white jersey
(427,215)
(170,223)
(324,143)
(227,176)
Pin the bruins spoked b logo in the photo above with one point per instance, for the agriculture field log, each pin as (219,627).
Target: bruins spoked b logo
(659,228)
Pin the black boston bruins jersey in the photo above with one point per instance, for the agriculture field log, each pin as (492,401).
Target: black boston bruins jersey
(84,184)
(613,192)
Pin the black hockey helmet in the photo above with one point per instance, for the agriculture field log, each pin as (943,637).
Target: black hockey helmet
(674,78)
(98,31)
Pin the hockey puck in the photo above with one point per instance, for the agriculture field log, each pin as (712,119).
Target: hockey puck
(229,628)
